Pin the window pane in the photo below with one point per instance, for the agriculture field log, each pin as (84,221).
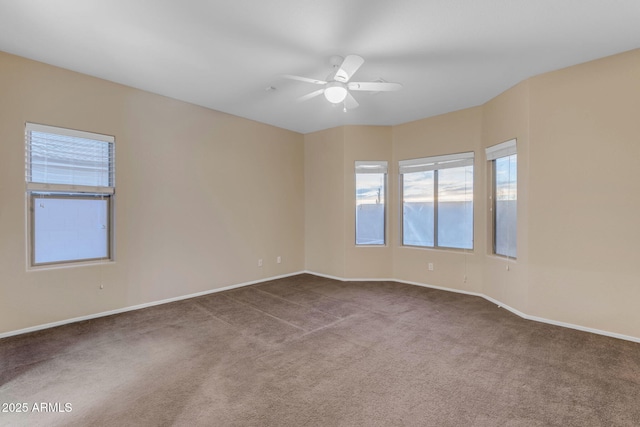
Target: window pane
(70,229)
(370,208)
(417,208)
(455,207)
(506,199)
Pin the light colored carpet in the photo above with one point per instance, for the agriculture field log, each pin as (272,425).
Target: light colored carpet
(309,351)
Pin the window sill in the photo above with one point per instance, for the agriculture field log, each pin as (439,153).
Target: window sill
(439,249)
(58,266)
(503,258)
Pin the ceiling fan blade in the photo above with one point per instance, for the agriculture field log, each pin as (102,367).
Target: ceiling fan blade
(350,102)
(348,68)
(310,95)
(374,86)
(304,79)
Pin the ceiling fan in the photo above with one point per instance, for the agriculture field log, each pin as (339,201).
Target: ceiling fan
(337,87)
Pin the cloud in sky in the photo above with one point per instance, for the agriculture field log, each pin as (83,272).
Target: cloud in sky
(370,188)
(454,185)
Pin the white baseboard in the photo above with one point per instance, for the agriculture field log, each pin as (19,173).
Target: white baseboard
(341,279)
(140,306)
(496,302)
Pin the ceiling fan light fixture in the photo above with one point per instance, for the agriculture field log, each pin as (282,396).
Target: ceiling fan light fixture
(338,86)
(335,92)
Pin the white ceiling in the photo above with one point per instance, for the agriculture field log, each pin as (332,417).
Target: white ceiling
(448,54)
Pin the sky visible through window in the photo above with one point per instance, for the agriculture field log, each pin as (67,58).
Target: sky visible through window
(453,225)
(370,202)
(506,206)
(506,173)
(454,185)
(454,209)
(369,188)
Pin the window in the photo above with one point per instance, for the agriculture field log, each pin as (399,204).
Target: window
(371,180)
(504,195)
(437,201)
(70,188)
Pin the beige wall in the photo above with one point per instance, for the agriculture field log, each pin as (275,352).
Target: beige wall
(584,243)
(200,197)
(186,220)
(324,202)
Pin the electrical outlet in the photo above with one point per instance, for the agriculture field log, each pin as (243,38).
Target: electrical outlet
(260,262)
(279,259)
(430,266)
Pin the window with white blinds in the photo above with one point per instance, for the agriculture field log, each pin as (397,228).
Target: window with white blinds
(437,201)
(504,195)
(64,159)
(70,183)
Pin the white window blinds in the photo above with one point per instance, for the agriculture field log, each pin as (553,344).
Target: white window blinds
(371,166)
(504,149)
(436,163)
(60,159)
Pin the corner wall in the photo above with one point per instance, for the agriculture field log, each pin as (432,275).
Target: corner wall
(578,198)
(503,118)
(330,157)
(324,202)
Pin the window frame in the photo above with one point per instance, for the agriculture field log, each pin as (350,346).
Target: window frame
(435,164)
(499,151)
(68,196)
(371,167)
(36,190)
